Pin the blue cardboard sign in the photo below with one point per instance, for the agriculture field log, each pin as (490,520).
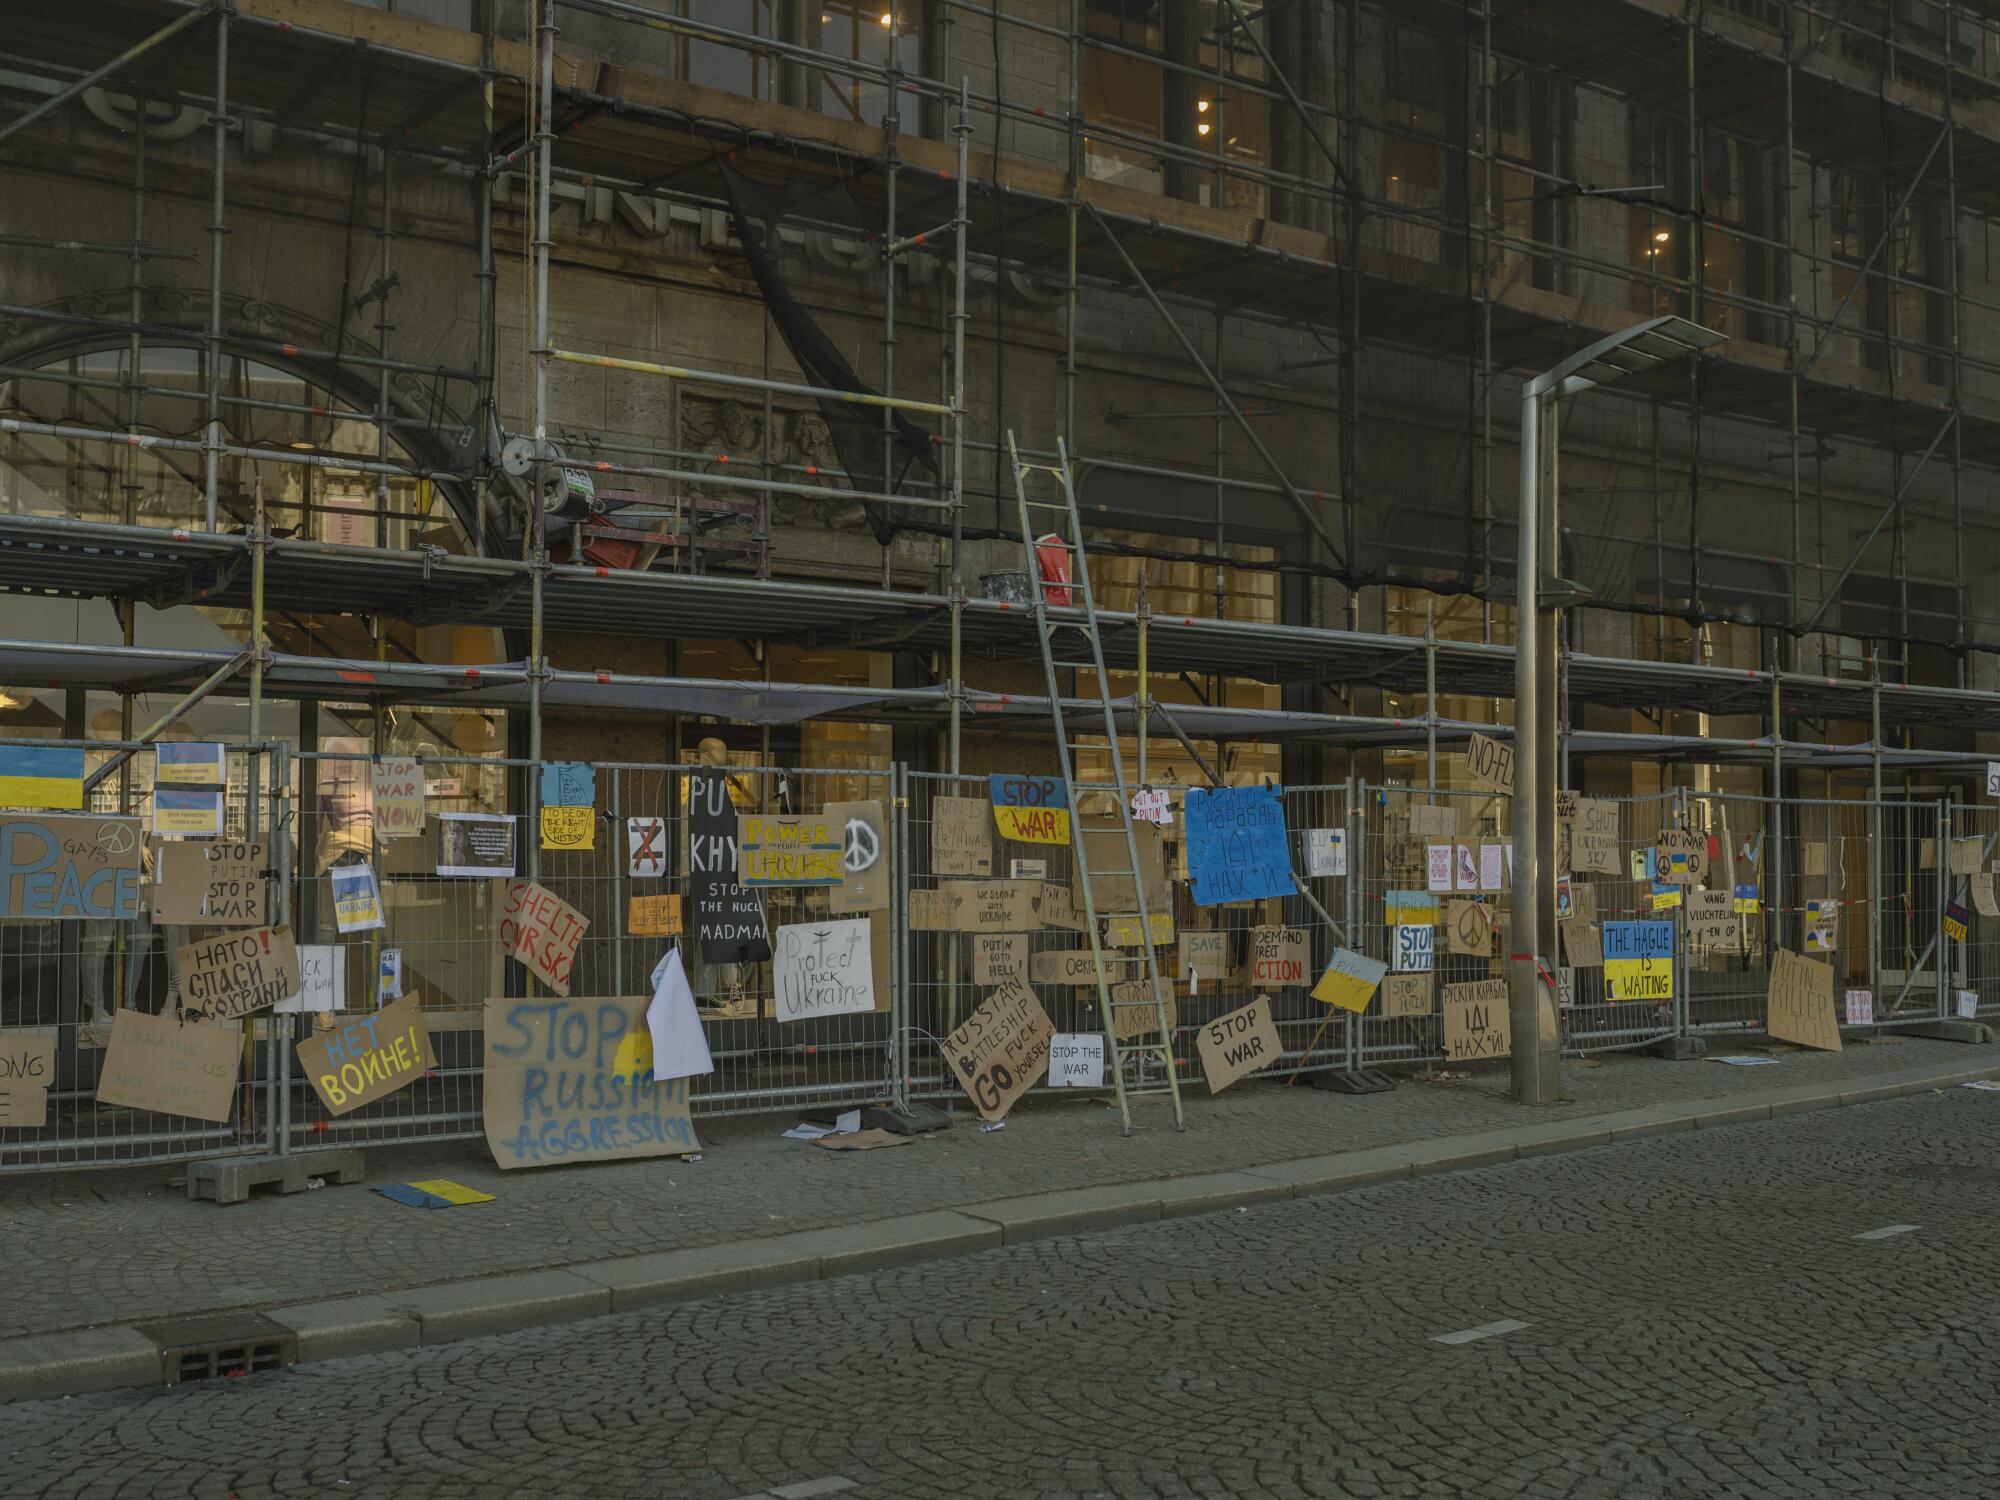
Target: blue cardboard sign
(569,783)
(1236,845)
(1638,940)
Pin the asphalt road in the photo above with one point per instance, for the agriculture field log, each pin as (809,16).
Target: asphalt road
(1701,1314)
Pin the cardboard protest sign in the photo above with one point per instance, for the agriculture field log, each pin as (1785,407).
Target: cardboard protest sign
(1681,856)
(931,911)
(1002,1050)
(1639,960)
(1712,921)
(1582,944)
(1964,857)
(653,916)
(788,849)
(1236,846)
(645,848)
(1428,820)
(1409,909)
(1350,981)
(823,969)
(1477,1025)
(1125,932)
(369,1057)
(1278,956)
(1076,1061)
(728,920)
(1582,902)
(357,900)
(155,1063)
(542,930)
(42,775)
(1490,764)
(961,836)
(222,978)
(1238,1044)
(1593,837)
(1030,809)
(1468,929)
(568,828)
(1202,955)
(217,883)
(398,784)
(62,868)
(476,844)
(1413,950)
(864,858)
(1070,966)
(1981,886)
(572,1080)
(998,957)
(1326,851)
(994,905)
(1133,1015)
(1405,995)
(27,1072)
(1800,1002)
(1860,1007)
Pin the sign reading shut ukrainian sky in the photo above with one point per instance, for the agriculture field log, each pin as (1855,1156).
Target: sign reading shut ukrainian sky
(1639,960)
(1030,809)
(1236,849)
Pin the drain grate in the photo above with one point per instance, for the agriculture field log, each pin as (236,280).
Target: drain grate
(210,1346)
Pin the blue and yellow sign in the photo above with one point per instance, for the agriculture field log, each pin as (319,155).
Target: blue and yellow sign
(41,776)
(1030,809)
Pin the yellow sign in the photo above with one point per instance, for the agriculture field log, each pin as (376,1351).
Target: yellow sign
(569,828)
(789,849)
(1349,981)
(653,916)
(1409,909)
(1640,978)
(1123,932)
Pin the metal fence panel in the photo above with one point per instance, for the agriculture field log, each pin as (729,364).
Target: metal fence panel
(71,977)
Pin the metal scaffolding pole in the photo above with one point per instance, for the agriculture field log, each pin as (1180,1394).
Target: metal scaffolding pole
(962,226)
(117,64)
(217,228)
(537,537)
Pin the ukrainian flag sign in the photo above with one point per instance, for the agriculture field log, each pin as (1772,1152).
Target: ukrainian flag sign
(41,776)
(1032,809)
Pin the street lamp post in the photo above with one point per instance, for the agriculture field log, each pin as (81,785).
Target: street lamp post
(1541,595)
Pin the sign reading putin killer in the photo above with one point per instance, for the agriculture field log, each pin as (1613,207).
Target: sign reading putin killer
(63,868)
(1030,809)
(572,1081)
(1801,1001)
(542,930)
(369,1057)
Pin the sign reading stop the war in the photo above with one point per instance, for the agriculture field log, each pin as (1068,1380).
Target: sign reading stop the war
(542,930)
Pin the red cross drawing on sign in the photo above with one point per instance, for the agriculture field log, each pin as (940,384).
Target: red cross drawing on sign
(648,837)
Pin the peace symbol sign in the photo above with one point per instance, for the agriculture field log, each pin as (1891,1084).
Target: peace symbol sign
(115,838)
(863,846)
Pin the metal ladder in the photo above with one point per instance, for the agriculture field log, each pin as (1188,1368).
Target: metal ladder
(1137,981)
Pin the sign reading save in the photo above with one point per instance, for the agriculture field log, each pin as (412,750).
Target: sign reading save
(1030,809)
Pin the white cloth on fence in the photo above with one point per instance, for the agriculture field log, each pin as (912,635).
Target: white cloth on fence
(680,1047)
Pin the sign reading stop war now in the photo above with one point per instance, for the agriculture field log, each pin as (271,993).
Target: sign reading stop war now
(1030,809)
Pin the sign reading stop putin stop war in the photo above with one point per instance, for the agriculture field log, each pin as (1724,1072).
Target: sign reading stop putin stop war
(542,930)
(365,1058)
(55,867)
(572,1081)
(1030,809)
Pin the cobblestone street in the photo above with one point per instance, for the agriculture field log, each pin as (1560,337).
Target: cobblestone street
(1713,1312)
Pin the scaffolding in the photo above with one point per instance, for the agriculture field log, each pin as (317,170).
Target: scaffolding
(1005,187)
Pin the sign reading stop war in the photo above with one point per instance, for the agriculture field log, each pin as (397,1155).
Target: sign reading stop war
(1030,809)
(572,1081)
(54,867)
(542,930)
(366,1058)
(1238,1044)
(231,976)
(1002,1050)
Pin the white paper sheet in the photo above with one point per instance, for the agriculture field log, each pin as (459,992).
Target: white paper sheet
(680,1047)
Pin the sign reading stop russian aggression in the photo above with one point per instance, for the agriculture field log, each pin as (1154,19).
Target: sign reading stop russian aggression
(1030,809)
(1236,848)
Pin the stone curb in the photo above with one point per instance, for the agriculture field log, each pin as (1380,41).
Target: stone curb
(38,1366)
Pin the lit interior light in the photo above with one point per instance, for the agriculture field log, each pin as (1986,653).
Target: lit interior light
(1201,107)
(1662,236)
(1202,128)
(888,18)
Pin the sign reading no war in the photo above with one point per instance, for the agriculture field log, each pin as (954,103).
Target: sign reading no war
(69,867)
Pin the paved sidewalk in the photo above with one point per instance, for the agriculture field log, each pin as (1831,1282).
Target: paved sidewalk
(93,1248)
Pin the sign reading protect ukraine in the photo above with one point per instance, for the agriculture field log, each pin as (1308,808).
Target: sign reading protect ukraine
(1030,809)
(55,867)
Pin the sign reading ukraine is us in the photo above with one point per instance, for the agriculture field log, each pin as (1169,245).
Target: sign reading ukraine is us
(1030,809)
